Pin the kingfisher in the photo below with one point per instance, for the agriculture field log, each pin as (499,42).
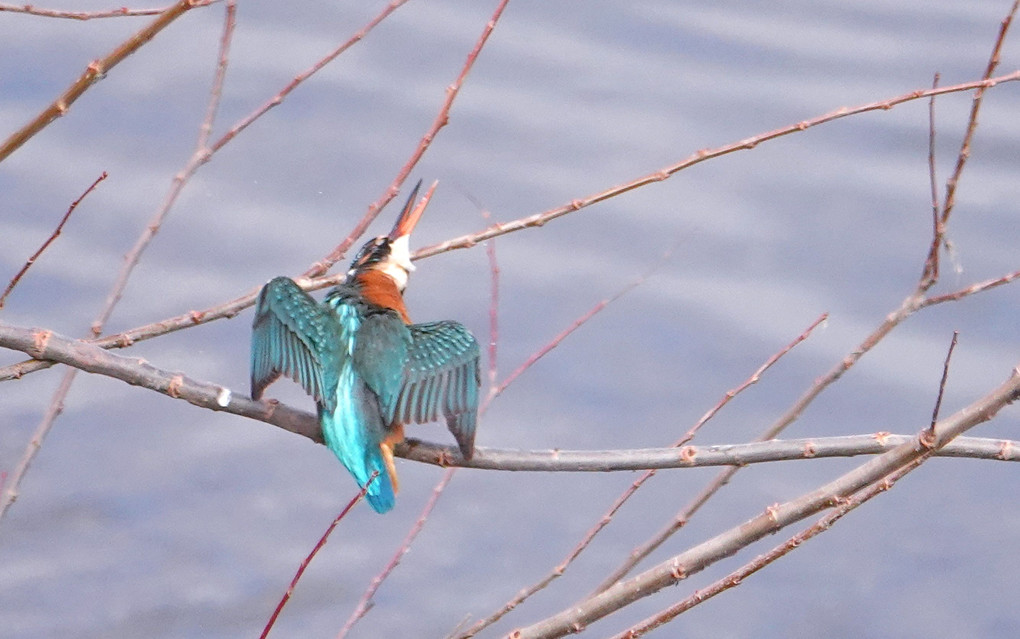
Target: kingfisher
(369,369)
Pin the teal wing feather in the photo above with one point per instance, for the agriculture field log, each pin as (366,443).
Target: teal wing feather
(441,377)
(293,335)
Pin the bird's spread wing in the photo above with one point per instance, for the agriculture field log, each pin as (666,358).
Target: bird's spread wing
(441,376)
(295,336)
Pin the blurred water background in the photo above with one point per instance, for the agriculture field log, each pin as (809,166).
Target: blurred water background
(144,516)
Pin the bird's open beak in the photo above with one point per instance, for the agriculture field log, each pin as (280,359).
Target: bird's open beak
(412,213)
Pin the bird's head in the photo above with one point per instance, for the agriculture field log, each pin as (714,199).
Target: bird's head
(391,254)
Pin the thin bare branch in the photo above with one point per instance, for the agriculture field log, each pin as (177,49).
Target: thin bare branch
(776,517)
(120,12)
(578,323)
(490,251)
(936,207)
(970,290)
(199,157)
(441,119)
(137,372)
(95,72)
(233,307)
(322,542)
(539,219)
(11,488)
(942,384)
(736,577)
(961,160)
(53,236)
(365,603)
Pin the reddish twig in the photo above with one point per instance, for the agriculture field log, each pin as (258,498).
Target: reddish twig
(315,550)
(774,518)
(969,290)
(365,603)
(441,119)
(53,236)
(230,309)
(95,71)
(57,401)
(120,12)
(681,519)
(199,157)
(736,577)
(539,219)
(961,159)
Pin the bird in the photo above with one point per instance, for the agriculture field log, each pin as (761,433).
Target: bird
(368,368)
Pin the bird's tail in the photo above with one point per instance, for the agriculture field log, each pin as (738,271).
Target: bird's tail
(358,450)
(381,500)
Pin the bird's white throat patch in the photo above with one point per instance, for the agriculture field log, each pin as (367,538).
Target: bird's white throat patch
(398,265)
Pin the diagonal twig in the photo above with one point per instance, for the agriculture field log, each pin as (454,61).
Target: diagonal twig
(49,240)
(233,307)
(318,546)
(539,219)
(95,71)
(441,119)
(680,520)
(365,603)
(774,518)
(736,577)
(57,401)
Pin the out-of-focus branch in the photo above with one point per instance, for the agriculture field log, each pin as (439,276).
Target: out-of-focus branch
(235,306)
(687,453)
(441,119)
(927,438)
(95,72)
(120,12)
(774,518)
